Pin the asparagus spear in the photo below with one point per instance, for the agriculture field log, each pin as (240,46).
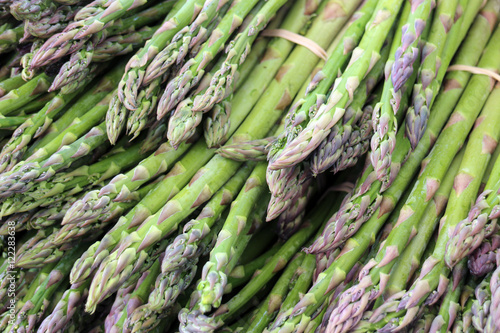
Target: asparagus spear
(481,304)
(375,274)
(184,40)
(466,183)
(479,223)
(24,94)
(367,193)
(35,305)
(217,124)
(222,82)
(195,321)
(129,87)
(426,89)
(63,313)
(51,23)
(299,146)
(186,246)
(398,71)
(11,83)
(72,38)
(483,260)
(193,70)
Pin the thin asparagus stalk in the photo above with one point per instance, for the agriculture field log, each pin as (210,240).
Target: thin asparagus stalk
(14,150)
(375,275)
(10,84)
(466,183)
(365,55)
(480,222)
(79,31)
(271,304)
(222,82)
(193,70)
(367,192)
(426,88)
(184,40)
(186,246)
(196,321)
(405,50)
(129,87)
(59,319)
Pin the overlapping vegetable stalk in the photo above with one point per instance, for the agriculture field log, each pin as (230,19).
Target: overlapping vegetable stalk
(196,321)
(434,273)
(88,24)
(256,125)
(426,88)
(405,51)
(298,147)
(375,274)
(366,196)
(479,224)
(122,37)
(180,260)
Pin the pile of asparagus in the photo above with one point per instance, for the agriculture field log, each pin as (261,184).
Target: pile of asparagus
(198,166)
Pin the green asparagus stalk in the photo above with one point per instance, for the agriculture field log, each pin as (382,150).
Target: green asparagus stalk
(427,87)
(272,303)
(466,182)
(481,304)
(35,305)
(365,56)
(51,24)
(405,48)
(192,321)
(367,193)
(480,222)
(24,94)
(375,275)
(186,246)
(180,16)
(222,82)
(193,70)
(10,84)
(184,40)
(72,38)
(60,318)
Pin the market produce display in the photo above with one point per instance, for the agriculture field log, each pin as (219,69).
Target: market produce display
(196,166)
